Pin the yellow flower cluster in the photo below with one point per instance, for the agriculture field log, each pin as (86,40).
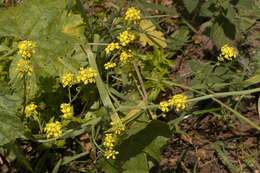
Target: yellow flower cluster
(227,52)
(68,79)
(24,67)
(164,106)
(133,14)
(86,75)
(124,56)
(125,38)
(67,110)
(26,48)
(30,110)
(109,65)
(112,46)
(117,127)
(109,143)
(53,129)
(111,153)
(178,101)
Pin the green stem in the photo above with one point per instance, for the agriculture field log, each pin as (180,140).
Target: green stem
(75,97)
(224,94)
(93,139)
(69,95)
(224,105)
(39,123)
(24,94)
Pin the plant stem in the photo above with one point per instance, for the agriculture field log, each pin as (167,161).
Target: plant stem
(224,94)
(224,105)
(75,97)
(69,95)
(143,89)
(24,94)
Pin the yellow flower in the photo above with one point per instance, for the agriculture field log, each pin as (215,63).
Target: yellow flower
(67,110)
(124,56)
(117,126)
(68,79)
(24,67)
(227,52)
(125,38)
(109,65)
(26,48)
(133,14)
(178,101)
(30,110)
(110,153)
(164,106)
(53,129)
(86,75)
(112,46)
(110,140)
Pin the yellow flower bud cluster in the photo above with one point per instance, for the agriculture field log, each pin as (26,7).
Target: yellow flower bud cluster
(125,38)
(112,46)
(53,129)
(86,75)
(109,65)
(68,79)
(30,110)
(117,127)
(132,15)
(67,110)
(26,48)
(24,67)
(178,101)
(227,52)
(125,56)
(109,142)
(164,106)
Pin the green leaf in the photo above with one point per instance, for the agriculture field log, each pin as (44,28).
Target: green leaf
(11,126)
(223,31)
(217,146)
(154,148)
(150,35)
(138,141)
(178,39)
(158,7)
(208,8)
(55,32)
(57,167)
(190,4)
(137,164)
(104,95)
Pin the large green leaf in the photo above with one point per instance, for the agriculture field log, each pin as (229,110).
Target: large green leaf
(11,126)
(144,140)
(137,164)
(55,32)
(223,31)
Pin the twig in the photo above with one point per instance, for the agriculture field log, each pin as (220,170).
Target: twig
(143,89)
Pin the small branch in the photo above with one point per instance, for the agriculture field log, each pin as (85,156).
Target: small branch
(143,89)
